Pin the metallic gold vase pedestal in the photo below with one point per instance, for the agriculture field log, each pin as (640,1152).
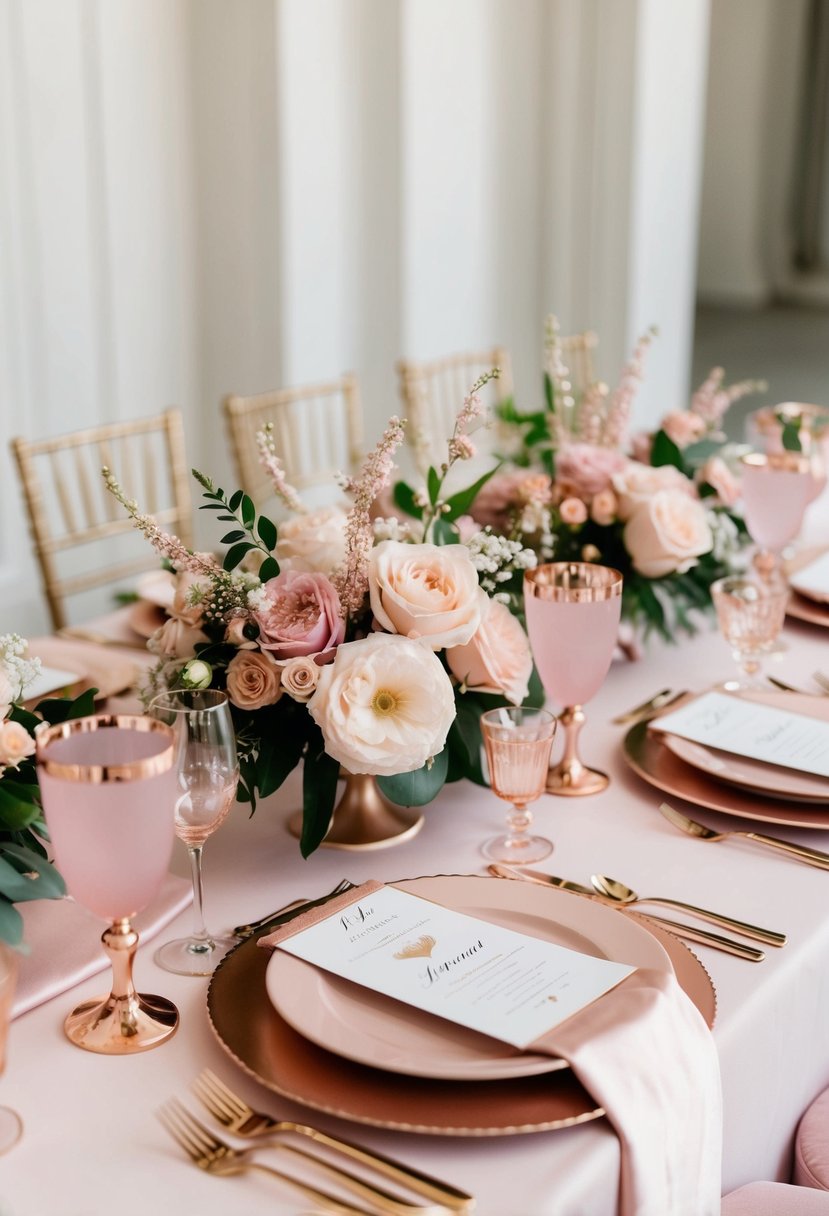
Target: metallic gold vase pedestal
(364,818)
(570,777)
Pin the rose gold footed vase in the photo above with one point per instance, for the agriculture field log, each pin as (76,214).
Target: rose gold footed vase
(364,818)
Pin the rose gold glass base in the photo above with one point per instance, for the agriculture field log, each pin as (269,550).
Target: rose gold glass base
(119,1026)
(126,1021)
(363,819)
(570,777)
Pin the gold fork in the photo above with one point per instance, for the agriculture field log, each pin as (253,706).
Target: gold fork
(215,1156)
(812,857)
(235,1114)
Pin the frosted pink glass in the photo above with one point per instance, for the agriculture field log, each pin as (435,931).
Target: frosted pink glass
(572,645)
(774,501)
(112,840)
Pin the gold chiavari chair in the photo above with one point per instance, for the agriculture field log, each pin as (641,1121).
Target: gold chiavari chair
(317,431)
(69,507)
(578,351)
(433,392)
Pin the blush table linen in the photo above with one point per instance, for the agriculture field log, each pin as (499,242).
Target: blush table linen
(92,1121)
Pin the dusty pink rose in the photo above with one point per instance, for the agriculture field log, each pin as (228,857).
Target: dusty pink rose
(253,680)
(636,483)
(603,507)
(683,427)
(716,473)
(496,502)
(573,512)
(497,657)
(584,469)
(667,533)
(300,616)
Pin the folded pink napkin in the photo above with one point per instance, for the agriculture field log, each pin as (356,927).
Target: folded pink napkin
(645,1054)
(65,941)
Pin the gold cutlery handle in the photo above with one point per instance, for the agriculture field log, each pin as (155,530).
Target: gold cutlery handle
(390,1205)
(812,857)
(726,944)
(431,1188)
(327,1201)
(768,936)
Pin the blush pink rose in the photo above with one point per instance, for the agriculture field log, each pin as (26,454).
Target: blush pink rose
(636,483)
(603,508)
(683,427)
(497,657)
(253,680)
(496,502)
(666,533)
(300,615)
(573,512)
(584,469)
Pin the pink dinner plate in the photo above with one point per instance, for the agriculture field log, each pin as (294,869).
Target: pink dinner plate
(366,1026)
(765,779)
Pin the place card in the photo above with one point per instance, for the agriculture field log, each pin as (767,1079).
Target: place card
(813,580)
(749,728)
(479,975)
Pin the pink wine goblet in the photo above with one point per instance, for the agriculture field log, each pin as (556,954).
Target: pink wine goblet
(518,743)
(573,611)
(776,488)
(107,783)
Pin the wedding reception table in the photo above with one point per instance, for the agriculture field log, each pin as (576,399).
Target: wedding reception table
(93,1144)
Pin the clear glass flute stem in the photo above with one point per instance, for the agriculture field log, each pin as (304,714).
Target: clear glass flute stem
(200,938)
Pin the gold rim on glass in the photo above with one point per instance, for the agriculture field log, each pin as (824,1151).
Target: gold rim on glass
(573,582)
(777,462)
(95,774)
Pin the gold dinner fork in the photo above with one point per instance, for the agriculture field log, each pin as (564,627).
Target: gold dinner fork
(812,857)
(241,1119)
(216,1156)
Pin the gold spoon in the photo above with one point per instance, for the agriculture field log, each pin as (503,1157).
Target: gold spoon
(612,889)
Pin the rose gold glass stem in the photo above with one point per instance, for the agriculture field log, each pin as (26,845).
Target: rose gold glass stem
(570,776)
(120,941)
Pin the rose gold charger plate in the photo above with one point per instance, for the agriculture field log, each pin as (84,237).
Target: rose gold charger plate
(262,1043)
(97,666)
(648,755)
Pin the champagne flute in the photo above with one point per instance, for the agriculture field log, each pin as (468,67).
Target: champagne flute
(518,743)
(207,773)
(573,611)
(751,609)
(106,783)
(11,1125)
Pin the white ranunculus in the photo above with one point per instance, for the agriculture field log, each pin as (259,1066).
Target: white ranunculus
(667,533)
(384,705)
(313,543)
(636,483)
(429,593)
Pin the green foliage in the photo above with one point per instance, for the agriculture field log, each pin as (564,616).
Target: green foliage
(419,787)
(251,532)
(665,451)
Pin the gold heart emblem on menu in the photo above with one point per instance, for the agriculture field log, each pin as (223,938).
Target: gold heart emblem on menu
(422,948)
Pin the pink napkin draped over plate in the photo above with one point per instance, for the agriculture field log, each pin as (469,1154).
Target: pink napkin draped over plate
(64,940)
(645,1054)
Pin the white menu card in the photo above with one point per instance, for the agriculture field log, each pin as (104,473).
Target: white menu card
(748,728)
(477,974)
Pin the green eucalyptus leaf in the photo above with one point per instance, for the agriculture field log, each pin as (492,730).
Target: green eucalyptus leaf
(443,533)
(404,498)
(231,537)
(48,885)
(460,503)
(235,498)
(273,764)
(433,484)
(267,532)
(665,451)
(319,793)
(236,554)
(11,924)
(17,806)
(248,511)
(419,787)
(269,569)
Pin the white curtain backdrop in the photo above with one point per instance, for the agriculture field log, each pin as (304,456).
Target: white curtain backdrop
(204,196)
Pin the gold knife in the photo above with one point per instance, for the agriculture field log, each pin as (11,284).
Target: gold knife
(689,932)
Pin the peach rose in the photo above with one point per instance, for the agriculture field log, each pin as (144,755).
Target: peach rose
(497,657)
(683,427)
(429,593)
(314,542)
(15,744)
(176,639)
(585,469)
(300,678)
(253,680)
(604,507)
(638,482)
(667,533)
(573,512)
(716,473)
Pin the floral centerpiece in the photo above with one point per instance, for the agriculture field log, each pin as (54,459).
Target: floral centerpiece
(25,871)
(348,640)
(661,507)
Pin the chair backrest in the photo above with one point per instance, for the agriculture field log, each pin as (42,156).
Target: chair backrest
(577,351)
(432,394)
(317,431)
(69,507)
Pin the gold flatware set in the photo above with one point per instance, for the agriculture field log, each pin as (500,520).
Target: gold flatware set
(800,852)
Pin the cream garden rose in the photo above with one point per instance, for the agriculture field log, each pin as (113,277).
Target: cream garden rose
(253,680)
(667,533)
(638,482)
(497,657)
(428,593)
(384,705)
(15,744)
(314,542)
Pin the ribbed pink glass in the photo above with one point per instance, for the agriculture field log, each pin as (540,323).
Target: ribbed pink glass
(518,743)
(112,840)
